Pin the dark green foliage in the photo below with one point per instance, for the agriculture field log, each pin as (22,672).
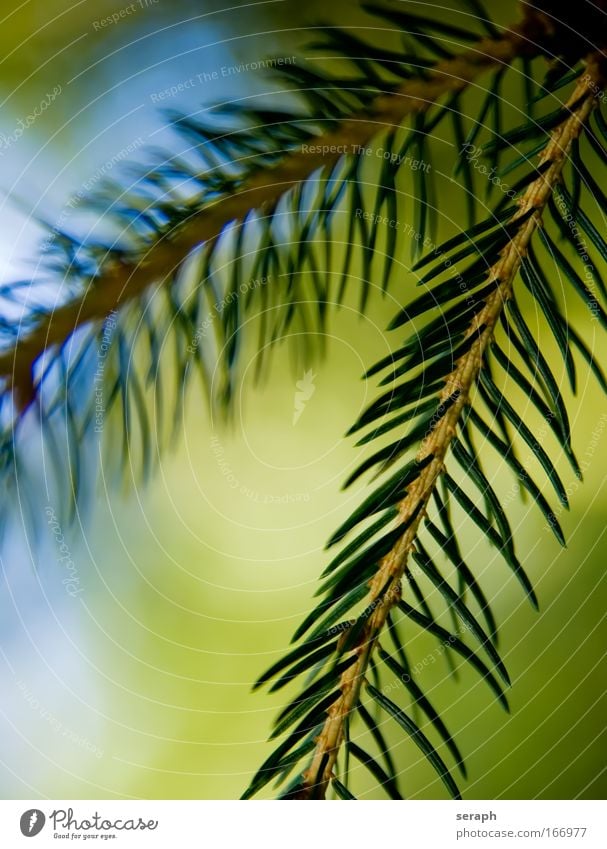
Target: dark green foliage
(455,290)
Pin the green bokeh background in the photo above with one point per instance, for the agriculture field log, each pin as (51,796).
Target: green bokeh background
(195,583)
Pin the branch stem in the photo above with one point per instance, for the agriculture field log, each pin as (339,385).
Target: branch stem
(121,282)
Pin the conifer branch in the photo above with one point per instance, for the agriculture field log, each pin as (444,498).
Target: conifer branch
(384,588)
(122,280)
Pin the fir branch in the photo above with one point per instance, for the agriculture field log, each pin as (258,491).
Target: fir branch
(384,587)
(122,279)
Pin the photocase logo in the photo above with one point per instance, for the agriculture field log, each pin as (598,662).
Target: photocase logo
(32,822)
(305,389)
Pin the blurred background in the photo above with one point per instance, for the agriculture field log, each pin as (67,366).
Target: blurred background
(140,685)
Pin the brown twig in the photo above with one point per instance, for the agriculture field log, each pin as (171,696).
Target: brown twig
(120,282)
(437,442)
